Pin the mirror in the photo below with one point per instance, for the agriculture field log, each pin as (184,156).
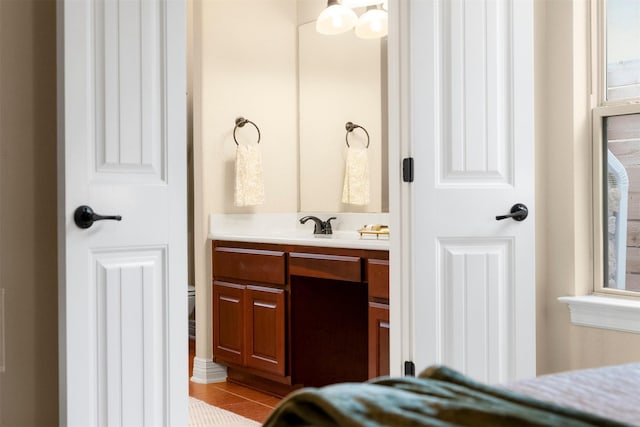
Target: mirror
(341,79)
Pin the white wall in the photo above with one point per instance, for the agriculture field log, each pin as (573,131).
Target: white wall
(248,54)
(563,193)
(322,146)
(308,10)
(245,64)
(339,82)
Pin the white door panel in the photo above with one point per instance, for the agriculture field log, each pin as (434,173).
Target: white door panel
(471,107)
(130,306)
(477,319)
(123,328)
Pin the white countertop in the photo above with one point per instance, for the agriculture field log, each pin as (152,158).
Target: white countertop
(286,229)
(339,239)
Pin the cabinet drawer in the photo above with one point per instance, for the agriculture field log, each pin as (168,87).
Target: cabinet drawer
(254,265)
(334,267)
(378,276)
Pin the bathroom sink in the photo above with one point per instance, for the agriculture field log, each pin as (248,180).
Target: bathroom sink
(287,229)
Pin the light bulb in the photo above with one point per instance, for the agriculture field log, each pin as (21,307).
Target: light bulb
(372,24)
(376,26)
(336,19)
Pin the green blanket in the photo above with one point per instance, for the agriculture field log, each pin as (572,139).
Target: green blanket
(438,397)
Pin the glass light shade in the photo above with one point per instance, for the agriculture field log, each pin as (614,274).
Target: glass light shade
(336,19)
(372,24)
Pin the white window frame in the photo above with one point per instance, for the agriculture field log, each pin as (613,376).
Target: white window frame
(600,113)
(604,109)
(606,308)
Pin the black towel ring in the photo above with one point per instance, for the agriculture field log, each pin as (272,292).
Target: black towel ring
(350,127)
(240,122)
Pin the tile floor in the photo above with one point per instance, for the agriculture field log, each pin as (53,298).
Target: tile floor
(243,401)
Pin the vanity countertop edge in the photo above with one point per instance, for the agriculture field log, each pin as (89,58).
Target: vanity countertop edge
(286,229)
(330,242)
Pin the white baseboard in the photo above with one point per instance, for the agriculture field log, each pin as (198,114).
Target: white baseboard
(205,371)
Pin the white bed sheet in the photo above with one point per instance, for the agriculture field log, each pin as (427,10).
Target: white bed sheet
(612,391)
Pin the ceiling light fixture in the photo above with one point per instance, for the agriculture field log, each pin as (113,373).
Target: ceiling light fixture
(336,19)
(372,24)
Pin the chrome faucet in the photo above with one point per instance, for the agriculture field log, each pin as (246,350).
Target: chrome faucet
(321,227)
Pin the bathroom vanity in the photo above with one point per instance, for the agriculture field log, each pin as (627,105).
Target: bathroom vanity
(289,313)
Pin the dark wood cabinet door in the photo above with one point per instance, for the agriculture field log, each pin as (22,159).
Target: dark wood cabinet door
(378,277)
(265,317)
(378,339)
(228,322)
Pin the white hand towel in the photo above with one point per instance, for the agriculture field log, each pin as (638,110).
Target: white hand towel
(356,177)
(249,189)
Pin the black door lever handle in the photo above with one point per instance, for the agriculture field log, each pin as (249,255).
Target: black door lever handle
(84,217)
(518,212)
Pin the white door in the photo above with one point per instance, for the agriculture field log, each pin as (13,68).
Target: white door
(471,297)
(122,151)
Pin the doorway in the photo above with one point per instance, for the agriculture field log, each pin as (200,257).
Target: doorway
(250,69)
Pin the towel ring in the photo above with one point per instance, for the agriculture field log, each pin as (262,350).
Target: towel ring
(240,122)
(350,127)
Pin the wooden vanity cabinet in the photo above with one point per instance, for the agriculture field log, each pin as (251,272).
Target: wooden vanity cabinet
(279,313)
(249,308)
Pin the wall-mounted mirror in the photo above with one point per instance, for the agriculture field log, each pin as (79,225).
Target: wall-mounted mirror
(341,79)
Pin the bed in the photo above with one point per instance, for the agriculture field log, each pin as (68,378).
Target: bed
(440,396)
(612,392)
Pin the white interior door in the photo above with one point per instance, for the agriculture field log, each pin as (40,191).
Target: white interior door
(472,297)
(122,150)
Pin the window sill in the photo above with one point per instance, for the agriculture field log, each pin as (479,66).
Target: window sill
(597,311)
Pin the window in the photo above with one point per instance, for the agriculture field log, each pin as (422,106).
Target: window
(616,153)
(622,49)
